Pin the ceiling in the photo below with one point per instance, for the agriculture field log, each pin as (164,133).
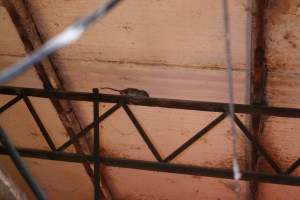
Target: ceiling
(171,49)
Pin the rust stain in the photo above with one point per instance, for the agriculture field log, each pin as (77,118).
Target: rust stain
(277,9)
(135,148)
(126,27)
(171,180)
(34,134)
(290,37)
(196,177)
(114,154)
(292,44)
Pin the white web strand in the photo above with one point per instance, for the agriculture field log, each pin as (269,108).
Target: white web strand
(68,36)
(228,54)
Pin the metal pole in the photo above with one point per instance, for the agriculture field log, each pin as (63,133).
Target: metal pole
(14,155)
(154,102)
(156,166)
(96,147)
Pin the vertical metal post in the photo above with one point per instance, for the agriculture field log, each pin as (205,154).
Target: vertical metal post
(96,147)
(14,155)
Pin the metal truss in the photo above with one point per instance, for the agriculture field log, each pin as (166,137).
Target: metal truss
(161,164)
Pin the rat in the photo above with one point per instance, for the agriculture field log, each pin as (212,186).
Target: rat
(132,92)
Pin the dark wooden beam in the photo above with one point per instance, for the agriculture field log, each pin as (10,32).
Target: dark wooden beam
(48,73)
(258,82)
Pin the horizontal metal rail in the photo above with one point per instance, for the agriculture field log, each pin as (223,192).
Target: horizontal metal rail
(153,102)
(163,165)
(156,166)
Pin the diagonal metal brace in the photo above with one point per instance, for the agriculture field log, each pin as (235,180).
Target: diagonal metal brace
(10,103)
(88,128)
(195,138)
(258,146)
(293,167)
(39,123)
(142,133)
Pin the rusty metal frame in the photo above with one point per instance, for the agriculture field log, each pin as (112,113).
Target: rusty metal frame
(161,164)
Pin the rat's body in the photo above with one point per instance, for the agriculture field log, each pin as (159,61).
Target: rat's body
(132,92)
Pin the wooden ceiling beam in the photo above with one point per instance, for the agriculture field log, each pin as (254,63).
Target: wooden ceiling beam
(48,73)
(258,80)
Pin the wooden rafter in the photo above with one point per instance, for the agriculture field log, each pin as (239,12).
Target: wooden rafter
(49,75)
(258,80)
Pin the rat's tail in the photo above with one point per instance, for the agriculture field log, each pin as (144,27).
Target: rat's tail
(108,88)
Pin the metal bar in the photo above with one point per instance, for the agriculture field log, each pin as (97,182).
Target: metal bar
(259,147)
(14,155)
(51,155)
(199,171)
(154,102)
(10,103)
(88,128)
(196,137)
(96,148)
(142,133)
(157,166)
(54,93)
(293,167)
(39,123)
